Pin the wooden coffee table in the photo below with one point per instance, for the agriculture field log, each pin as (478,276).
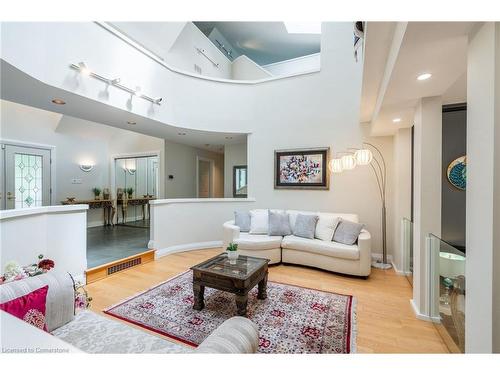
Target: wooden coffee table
(237,276)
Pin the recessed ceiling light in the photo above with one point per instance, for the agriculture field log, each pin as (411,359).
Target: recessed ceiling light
(58,101)
(181,133)
(424,76)
(396,119)
(131,122)
(303,27)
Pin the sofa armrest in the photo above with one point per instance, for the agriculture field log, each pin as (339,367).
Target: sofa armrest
(230,232)
(60,303)
(365,251)
(236,335)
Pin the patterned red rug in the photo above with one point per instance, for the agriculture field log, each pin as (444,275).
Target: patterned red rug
(291,320)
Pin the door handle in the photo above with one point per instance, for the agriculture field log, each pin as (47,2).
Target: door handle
(10,196)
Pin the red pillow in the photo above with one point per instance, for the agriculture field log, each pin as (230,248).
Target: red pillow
(30,307)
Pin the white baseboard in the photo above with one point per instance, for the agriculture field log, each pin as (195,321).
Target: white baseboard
(419,315)
(187,247)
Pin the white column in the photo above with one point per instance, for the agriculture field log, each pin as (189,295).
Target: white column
(482,321)
(402,191)
(426,194)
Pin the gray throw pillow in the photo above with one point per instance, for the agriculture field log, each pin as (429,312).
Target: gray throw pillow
(242,220)
(279,224)
(347,232)
(305,226)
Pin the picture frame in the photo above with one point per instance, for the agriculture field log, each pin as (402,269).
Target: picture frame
(303,168)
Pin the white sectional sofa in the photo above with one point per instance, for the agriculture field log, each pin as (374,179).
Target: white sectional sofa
(328,255)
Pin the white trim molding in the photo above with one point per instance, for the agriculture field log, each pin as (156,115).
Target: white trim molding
(187,247)
(419,315)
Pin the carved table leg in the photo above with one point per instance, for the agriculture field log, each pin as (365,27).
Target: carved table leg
(199,291)
(241,304)
(262,294)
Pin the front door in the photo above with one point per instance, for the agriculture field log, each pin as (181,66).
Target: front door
(26,177)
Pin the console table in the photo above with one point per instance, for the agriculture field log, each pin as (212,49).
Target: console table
(105,204)
(124,203)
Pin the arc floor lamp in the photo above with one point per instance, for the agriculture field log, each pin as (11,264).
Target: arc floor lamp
(365,156)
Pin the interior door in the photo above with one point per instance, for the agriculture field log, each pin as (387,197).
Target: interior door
(204,179)
(26,173)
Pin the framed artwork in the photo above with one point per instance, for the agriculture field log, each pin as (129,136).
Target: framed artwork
(457,172)
(240,181)
(302,169)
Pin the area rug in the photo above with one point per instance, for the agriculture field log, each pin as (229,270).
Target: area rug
(291,320)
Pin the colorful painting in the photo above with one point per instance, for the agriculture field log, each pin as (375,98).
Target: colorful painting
(457,172)
(302,169)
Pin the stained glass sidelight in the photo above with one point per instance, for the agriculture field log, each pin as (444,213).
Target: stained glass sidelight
(28,180)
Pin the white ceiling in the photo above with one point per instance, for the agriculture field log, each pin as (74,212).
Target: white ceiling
(17,86)
(390,87)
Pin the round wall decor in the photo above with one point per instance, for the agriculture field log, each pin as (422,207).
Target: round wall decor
(457,172)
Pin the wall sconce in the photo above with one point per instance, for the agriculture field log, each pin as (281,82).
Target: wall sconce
(86,167)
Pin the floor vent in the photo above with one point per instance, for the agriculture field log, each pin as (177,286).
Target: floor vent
(124,265)
(108,269)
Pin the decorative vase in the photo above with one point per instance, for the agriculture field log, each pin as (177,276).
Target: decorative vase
(97,197)
(232,256)
(129,196)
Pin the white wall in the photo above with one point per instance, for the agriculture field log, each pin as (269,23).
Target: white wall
(181,162)
(244,68)
(75,141)
(187,224)
(183,54)
(318,109)
(402,191)
(234,154)
(158,37)
(309,63)
(57,232)
(482,323)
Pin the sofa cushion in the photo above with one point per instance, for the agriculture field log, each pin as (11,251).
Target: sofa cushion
(305,225)
(279,225)
(327,223)
(347,232)
(327,248)
(248,241)
(292,215)
(242,220)
(259,221)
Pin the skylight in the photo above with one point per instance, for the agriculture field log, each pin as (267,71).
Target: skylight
(303,27)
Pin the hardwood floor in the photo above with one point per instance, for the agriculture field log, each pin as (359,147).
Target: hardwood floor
(386,322)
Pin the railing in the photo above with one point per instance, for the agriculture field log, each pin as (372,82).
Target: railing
(407,245)
(447,292)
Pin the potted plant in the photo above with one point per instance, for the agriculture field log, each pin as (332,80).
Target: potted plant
(97,192)
(232,252)
(130,191)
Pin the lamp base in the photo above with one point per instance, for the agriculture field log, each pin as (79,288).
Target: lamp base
(383,266)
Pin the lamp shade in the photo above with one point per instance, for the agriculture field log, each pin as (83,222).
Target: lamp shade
(363,157)
(336,165)
(348,162)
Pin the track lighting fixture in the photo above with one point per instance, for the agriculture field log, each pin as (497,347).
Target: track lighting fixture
(83,69)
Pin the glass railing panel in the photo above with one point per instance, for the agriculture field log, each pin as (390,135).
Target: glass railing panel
(447,291)
(407,245)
